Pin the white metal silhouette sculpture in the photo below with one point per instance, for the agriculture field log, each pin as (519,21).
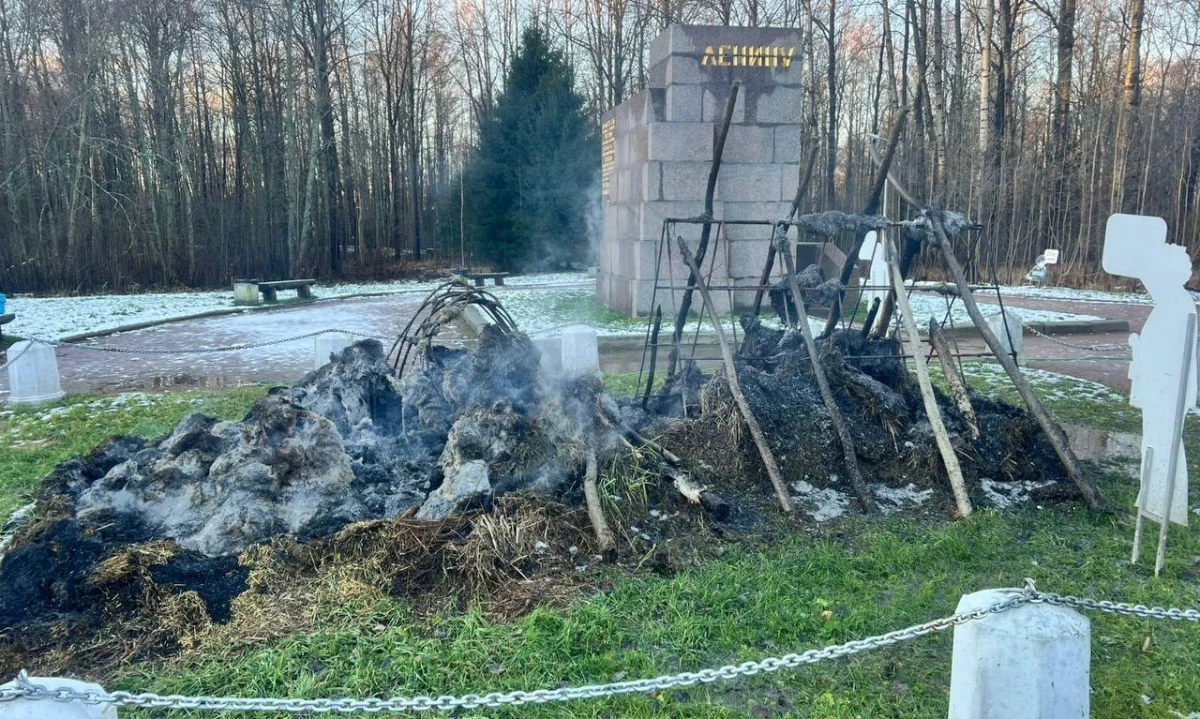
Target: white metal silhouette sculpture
(878,277)
(1162,372)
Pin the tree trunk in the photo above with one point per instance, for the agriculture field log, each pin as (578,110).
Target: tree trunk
(1124,183)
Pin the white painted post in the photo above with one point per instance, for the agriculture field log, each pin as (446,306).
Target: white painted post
(1030,662)
(878,275)
(1012,337)
(32,373)
(245,293)
(550,348)
(327,344)
(580,351)
(50,709)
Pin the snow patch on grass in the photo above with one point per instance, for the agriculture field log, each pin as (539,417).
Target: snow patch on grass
(820,504)
(897,499)
(1002,495)
(926,305)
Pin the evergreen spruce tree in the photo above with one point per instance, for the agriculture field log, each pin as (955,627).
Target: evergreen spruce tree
(530,184)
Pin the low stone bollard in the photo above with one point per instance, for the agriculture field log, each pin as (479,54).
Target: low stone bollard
(580,352)
(50,709)
(550,348)
(1011,339)
(329,343)
(1030,662)
(32,373)
(245,293)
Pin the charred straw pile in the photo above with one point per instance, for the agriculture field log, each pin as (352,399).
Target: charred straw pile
(423,466)
(882,408)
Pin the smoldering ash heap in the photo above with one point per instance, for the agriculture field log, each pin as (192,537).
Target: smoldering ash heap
(424,432)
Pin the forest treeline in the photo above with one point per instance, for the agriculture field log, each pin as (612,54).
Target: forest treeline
(152,143)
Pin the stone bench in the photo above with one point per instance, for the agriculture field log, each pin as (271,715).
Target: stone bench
(270,290)
(480,278)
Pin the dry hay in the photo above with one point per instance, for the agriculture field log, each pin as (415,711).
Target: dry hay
(509,561)
(717,402)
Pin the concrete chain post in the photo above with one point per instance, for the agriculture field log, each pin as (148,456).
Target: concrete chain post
(1031,662)
(54,709)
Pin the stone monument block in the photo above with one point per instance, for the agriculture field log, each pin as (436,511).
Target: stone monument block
(747,259)
(654,213)
(787,143)
(691,141)
(713,105)
(684,103)
(752,182)
(777,105)
(658,148)
(683,181)
(749,143)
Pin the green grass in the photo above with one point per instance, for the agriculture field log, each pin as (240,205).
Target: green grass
(626,384)
(540,310)
(753,603)
(34,439)
(858,578)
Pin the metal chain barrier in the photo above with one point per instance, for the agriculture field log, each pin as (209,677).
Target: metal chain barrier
(21,354)
(28,690)
(1109,347)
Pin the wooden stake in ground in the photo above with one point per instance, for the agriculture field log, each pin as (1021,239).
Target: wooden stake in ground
(801,190)
(735,386)
(1054,433)
(871,208)
(958,388)
(835,415)
(653,354)
(932,411)
(591,495)
(685,305)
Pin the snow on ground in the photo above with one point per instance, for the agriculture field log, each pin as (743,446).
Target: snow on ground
(1067,293)
(543,311)
(1002,495)
(539,304)
(820,504)
(56,317)
(926,304)
(1052,386)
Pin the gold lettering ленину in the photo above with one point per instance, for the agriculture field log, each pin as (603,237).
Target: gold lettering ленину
(748,56)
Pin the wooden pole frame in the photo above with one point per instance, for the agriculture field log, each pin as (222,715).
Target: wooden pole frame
(932,411)
(849,454)
(735,386)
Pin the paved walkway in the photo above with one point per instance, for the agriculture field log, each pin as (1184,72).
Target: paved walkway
(87,370)
(1055,356)
(84,369)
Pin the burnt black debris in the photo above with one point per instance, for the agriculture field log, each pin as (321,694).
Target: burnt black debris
(137,519)
(882,407)
(350,442)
